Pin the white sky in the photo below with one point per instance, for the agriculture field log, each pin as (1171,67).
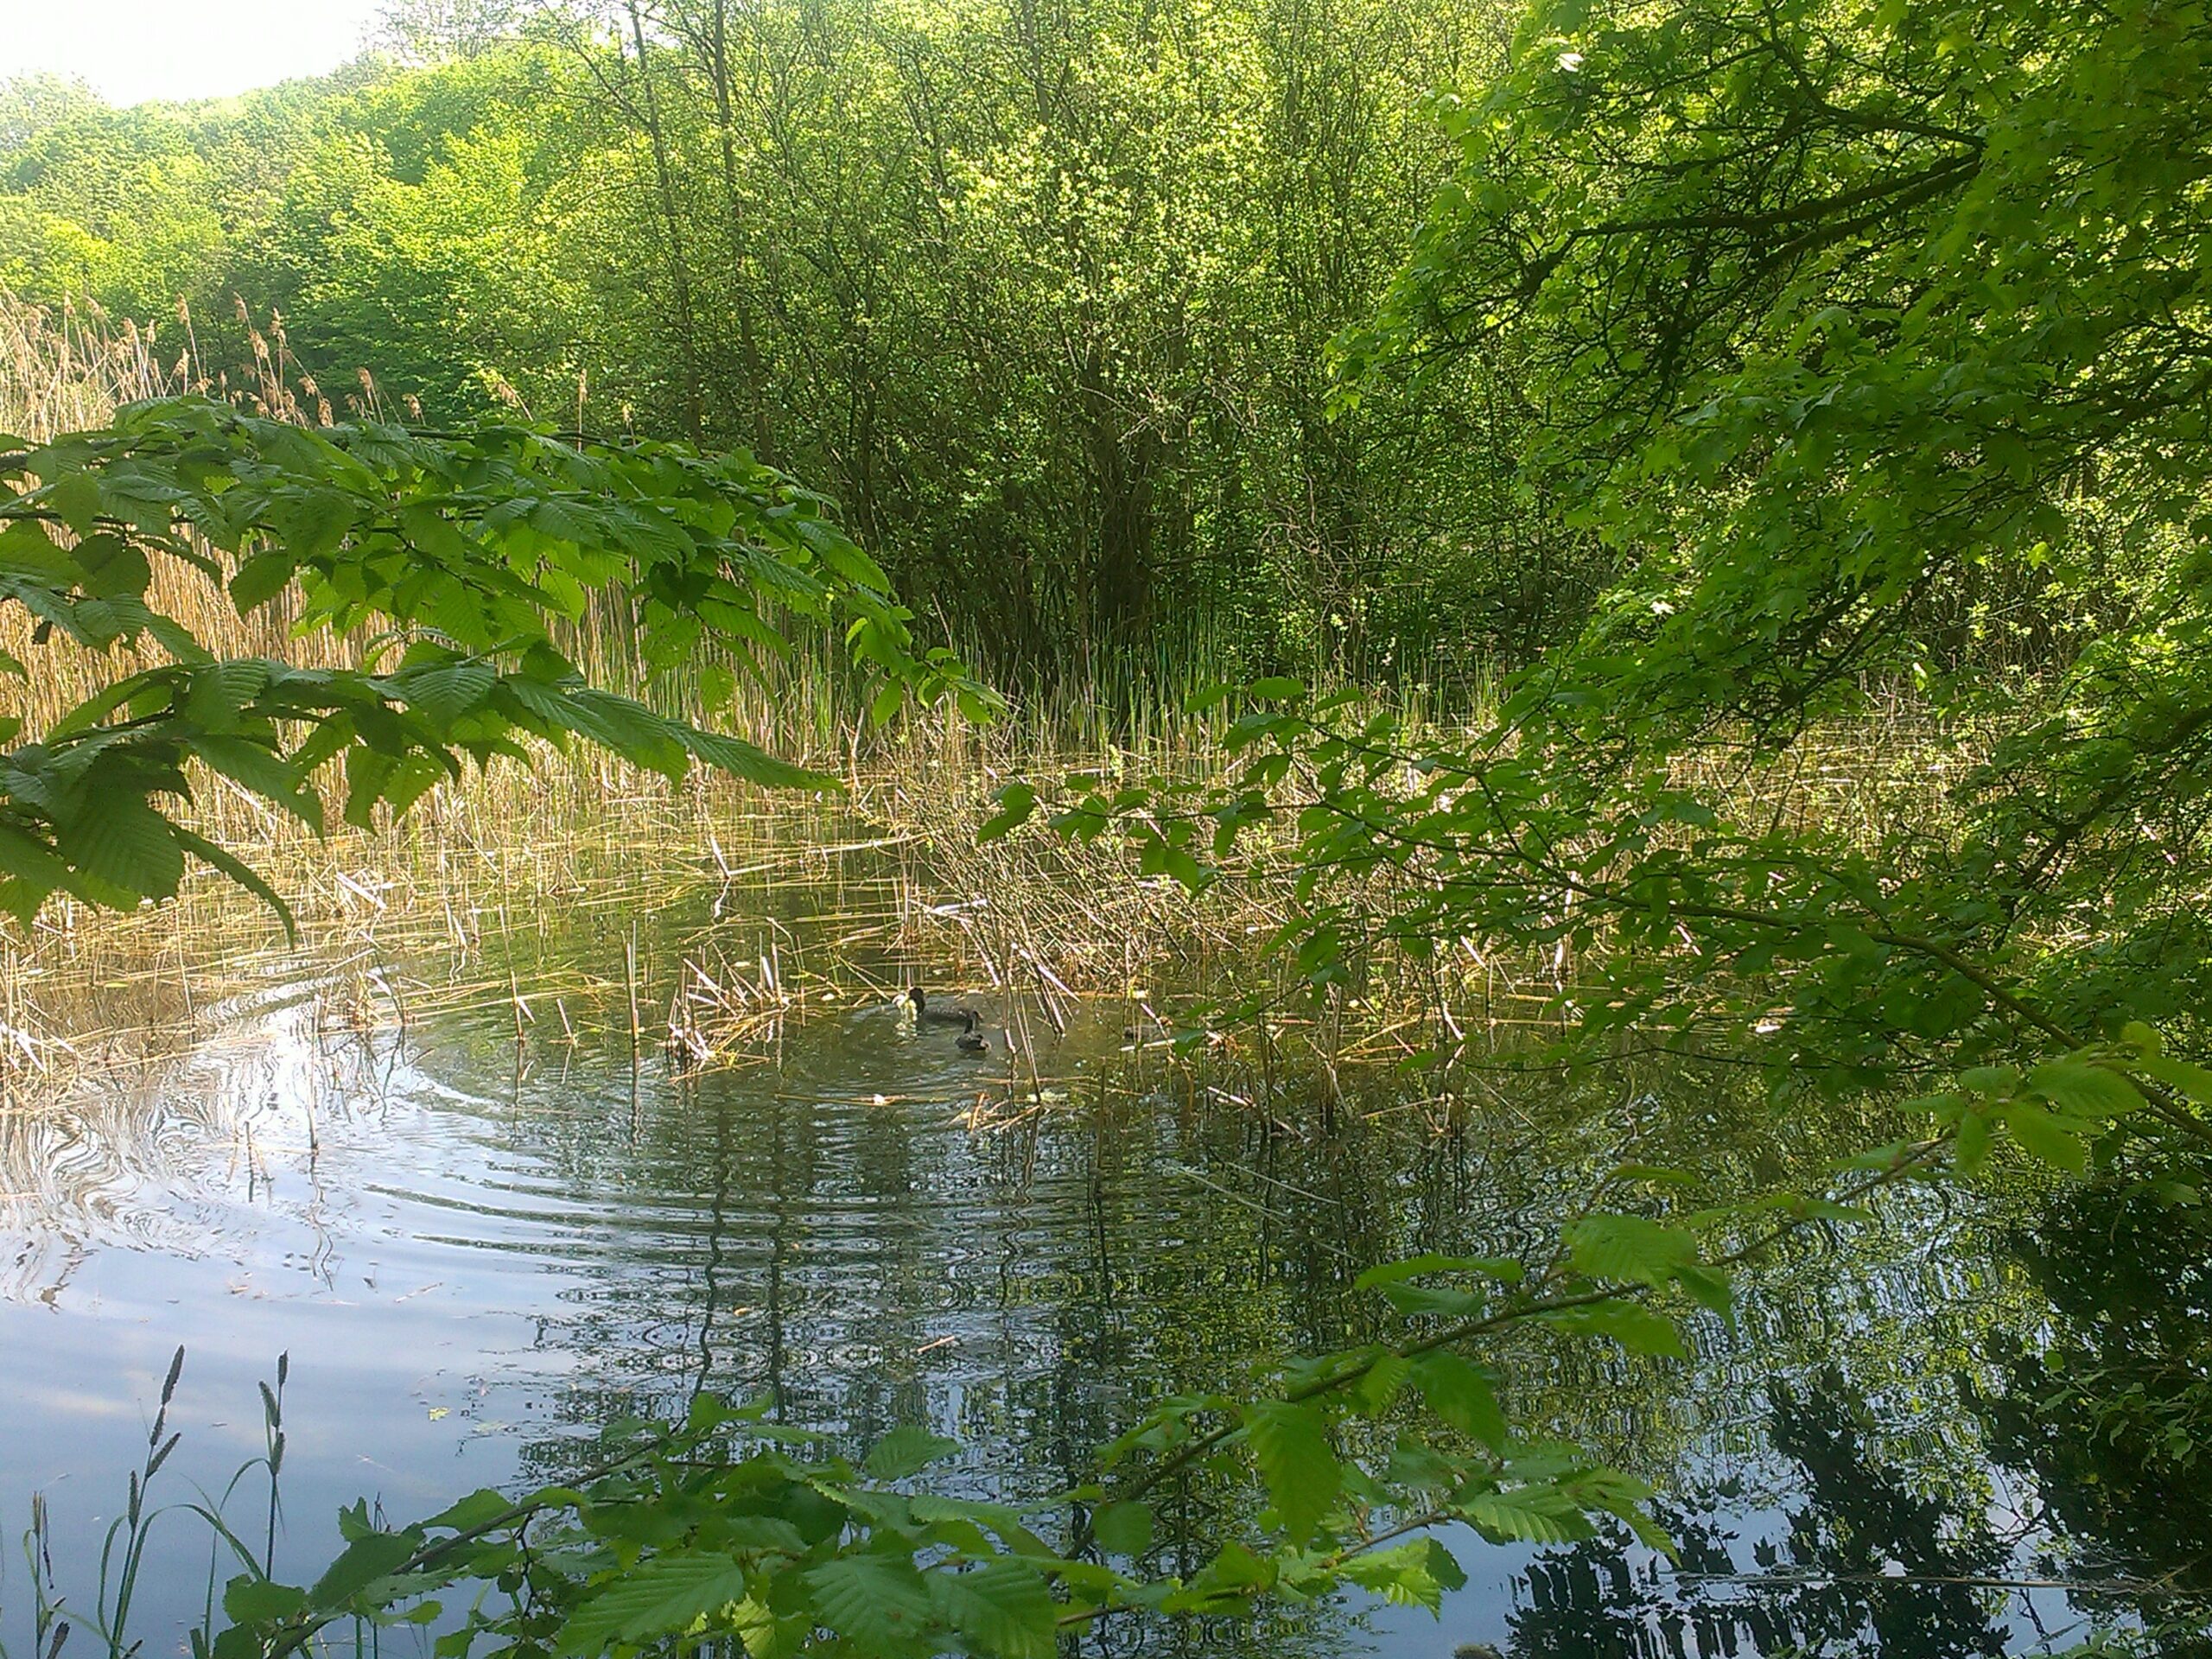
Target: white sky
(132,50)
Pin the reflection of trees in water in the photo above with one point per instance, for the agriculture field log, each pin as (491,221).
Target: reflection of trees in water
(1865,1565)
(2112,1413)
(2108,1411)
(863,1266)
(867,1264)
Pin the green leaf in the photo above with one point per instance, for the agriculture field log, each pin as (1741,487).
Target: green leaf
(1003,1608)
(906,1450)
(378,1555)
(1122,1529)
(78,497)
(127,844)
(1235,1573)
(768,1533)
(2194,1081)
(1378,1385)
(1415,1575)
(448,691)
(1529,1515)
(2090,1090)
(98,707)
(481,1508)
(756,766)
(1628,1247)
(888,701)
(879,1602)
(659,1598)
(1461,1395)
(256,766)
(1973,1149)
(1709,1288)
(220,691)
(1016,802)
(31,860)
(2045,1137)
(241,873)
(254,1600)
(1502,1268)
(1208,697)
(1636,1329)
(261,578)
(1290,1444)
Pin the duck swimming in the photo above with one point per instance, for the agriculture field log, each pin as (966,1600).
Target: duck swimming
(915,998)
(970,1041)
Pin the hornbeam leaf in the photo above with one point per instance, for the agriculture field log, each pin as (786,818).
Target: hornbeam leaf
(1003,1607)
(2045,1136)
(121,841)
(878,1602)
(1290,1443)
(905,1451)
(375,1555)
(448,691)
(1461,1395)
(1628,1247)
(31,860)
(742,760)
(259,768)
(1636,1329)
(2194,1081)
(2079,1086)
(261,578)
(243,873)
(1530,1514)
(659,1598)
(1415,1575)
(1122,1529)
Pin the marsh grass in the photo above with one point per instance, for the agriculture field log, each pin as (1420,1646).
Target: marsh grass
(125,1545)
(579,890)
(582,896)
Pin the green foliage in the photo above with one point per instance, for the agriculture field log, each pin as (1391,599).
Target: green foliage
(724,1528)
(450,557)
(1055,346)
(1852,327)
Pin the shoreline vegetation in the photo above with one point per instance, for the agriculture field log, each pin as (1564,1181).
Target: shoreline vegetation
(1401,560)
(1049,917)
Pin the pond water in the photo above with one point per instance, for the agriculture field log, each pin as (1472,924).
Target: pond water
(473,1248)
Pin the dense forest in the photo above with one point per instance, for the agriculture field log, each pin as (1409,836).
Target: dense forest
(1040,295)
(1649,561)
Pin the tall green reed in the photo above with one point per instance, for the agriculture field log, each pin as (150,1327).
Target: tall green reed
(130,1536)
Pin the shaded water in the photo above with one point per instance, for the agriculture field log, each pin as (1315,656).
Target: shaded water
(473,1251)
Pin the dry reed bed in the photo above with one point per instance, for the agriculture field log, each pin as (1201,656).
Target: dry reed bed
(526,887)
(460,903)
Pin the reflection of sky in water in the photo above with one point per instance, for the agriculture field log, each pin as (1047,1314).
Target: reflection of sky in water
(467,1260)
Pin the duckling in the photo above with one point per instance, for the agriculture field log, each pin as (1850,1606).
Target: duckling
(916,999)
(970,1041)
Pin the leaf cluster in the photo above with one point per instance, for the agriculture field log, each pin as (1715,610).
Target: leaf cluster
(452,559)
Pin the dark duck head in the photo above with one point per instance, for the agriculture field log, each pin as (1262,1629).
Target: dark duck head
(917,1000)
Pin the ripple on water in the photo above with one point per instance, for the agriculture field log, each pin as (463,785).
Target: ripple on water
(470,1260)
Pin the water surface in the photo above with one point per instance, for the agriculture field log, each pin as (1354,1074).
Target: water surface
(473,1248)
